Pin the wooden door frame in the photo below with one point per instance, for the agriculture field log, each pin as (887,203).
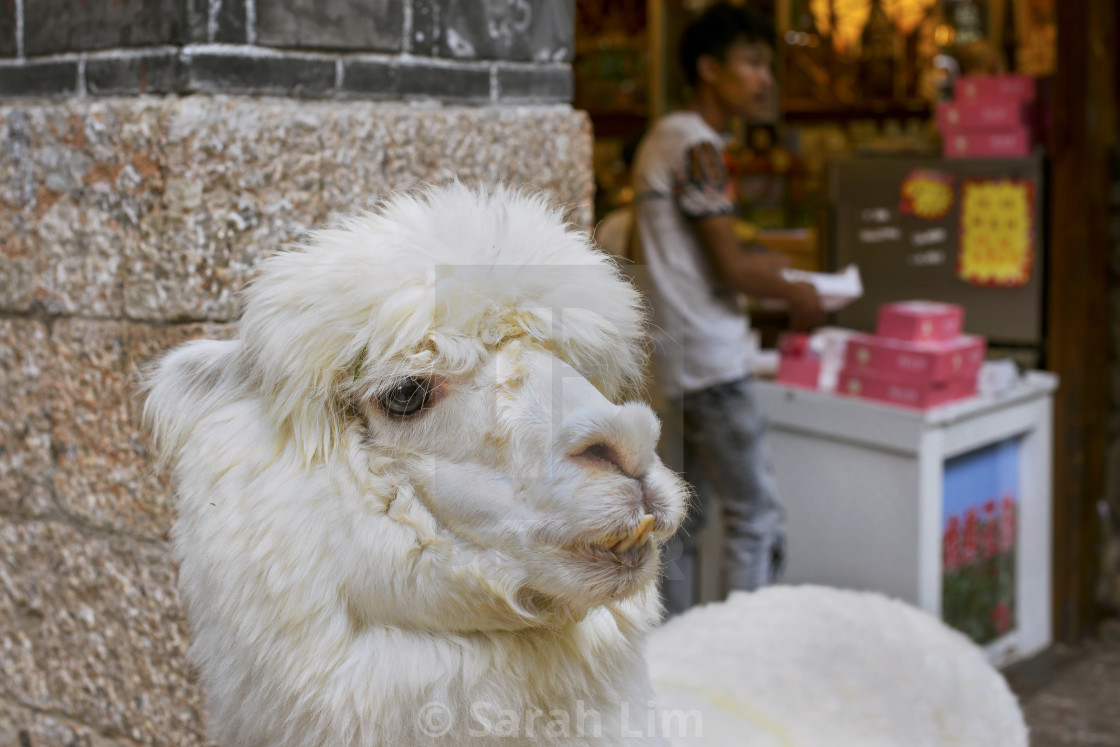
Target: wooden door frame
(1078,320)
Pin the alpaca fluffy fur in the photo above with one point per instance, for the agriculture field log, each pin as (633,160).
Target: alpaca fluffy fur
(344,569)
(804,665)
(357,578)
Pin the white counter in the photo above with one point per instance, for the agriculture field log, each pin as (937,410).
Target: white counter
(864,487)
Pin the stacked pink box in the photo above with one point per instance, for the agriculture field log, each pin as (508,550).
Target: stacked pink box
(798,365)
(916,358)
(989,116)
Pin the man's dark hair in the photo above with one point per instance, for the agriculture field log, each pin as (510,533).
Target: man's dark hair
(715,31)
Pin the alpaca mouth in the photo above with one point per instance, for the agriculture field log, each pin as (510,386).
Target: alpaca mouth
(627,561)
(627,541)
(629,549)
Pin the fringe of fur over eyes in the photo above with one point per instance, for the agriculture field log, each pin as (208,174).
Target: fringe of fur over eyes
(429,304)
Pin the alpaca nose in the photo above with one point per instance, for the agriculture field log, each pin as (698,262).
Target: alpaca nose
(615,438)
(592,431)
(603,456)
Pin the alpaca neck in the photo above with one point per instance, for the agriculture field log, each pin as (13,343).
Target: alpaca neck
(585,677)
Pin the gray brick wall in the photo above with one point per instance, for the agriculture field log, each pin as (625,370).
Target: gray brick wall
(459,51)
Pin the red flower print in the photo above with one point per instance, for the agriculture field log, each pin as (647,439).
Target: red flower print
(990,538)
(1001,616)
(971,536)
(951,559)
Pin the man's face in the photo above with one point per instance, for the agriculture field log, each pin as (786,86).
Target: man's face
(742,81)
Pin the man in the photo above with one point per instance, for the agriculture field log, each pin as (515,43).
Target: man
(697,276)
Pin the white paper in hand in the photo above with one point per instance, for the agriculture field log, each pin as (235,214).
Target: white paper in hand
(836,289)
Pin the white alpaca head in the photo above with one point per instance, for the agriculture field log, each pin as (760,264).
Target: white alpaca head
(418,427)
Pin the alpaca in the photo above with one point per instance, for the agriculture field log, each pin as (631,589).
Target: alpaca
(804,665)
(414,505)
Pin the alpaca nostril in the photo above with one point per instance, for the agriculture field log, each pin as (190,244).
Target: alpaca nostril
(603,456)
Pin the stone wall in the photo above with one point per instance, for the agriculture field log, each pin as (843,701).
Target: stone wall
(151,151)
(128,225)
(461,50)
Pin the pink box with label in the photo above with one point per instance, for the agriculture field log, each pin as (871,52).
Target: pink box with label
(803,372)
(798,364)
(936,360)
(919,321)
(898,390)
(987,87)
(1009,142)
(983,115)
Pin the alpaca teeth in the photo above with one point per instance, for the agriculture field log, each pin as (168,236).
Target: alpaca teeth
(637,534)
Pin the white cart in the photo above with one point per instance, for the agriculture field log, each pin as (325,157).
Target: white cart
(869,489)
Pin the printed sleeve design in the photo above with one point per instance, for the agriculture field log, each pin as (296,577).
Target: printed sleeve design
(702,189)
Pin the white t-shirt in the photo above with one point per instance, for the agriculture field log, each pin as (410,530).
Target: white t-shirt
(701,332)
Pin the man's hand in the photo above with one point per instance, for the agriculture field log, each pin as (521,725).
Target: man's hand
(805,310)
(758,274)
(770,262)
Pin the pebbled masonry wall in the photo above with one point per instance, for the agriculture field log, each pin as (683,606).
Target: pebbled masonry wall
(151,152)
(128,225)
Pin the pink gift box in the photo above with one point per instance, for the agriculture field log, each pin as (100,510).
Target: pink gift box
(919,321)
(798,365)
(987,87)
(1009,142)
(803,372)
(982,115)
(898,390)
(936,360)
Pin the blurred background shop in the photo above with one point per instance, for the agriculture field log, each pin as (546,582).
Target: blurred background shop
(909,137)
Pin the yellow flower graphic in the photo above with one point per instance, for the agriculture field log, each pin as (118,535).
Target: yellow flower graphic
(996,233)
(928,198)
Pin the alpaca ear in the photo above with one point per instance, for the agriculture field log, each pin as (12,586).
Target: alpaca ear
(299,370)
(187,385)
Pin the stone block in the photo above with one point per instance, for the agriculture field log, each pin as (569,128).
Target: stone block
(370,79)
(230,23)
(104,475)
(26,467)
(18,195)
(8,30)
(538,85)
(158,72)
(39,79)
(354,142)
(539,147)
(92,632)
(196,21)
(21,726)
(78,178)
(56,26)
(538,30)
(244,180)
(225,73)
(426,29)
(331,24)
(158,209)
(443,82)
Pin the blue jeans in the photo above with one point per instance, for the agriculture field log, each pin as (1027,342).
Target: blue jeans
(716,438)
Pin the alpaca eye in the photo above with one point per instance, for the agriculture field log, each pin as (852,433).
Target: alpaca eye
(407,397)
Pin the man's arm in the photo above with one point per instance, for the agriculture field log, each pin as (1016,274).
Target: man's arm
(757,273)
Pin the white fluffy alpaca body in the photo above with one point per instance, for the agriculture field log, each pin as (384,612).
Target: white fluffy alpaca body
(480,570)
(810,665)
